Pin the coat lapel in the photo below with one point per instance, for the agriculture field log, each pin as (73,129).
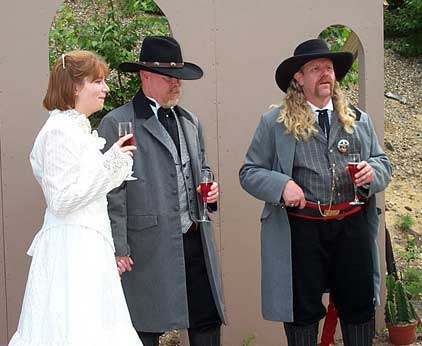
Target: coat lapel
(144,117)
(153,126)
(285,147)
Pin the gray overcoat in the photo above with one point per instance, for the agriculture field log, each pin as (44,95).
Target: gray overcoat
(267,168)
(146,224)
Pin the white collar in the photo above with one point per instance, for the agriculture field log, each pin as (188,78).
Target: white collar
(155,106)
(329,106)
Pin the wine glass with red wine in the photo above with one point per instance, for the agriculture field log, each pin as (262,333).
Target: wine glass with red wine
(126,128)
(352,165)
(207,178)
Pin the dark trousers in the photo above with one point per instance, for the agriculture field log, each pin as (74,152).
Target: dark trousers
(204,320)
(334,254)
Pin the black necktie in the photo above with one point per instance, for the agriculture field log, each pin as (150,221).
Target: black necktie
(167,119)
(323,121)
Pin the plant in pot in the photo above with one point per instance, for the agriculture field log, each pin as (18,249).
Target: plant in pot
(400,315)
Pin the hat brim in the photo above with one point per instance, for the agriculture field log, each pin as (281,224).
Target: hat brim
(342,62)
(188,72)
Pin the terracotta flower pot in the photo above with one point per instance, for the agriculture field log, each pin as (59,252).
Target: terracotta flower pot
(402,334)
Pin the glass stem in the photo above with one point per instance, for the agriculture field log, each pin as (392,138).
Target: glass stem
(204,214)
(356,192)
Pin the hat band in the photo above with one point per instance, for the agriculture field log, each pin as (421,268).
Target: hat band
(162,64)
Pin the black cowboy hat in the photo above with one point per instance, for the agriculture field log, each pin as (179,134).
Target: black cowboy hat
(162,55)
(307,51)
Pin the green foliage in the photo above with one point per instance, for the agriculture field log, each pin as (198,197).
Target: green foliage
(403,22)
(413,279)
(336,36)
(390,282)
(148,6)
(114,30)
(398,308)
(248,340)
(390,313)
(402,306)
(405,222)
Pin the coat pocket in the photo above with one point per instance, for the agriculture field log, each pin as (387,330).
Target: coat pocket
(141,222)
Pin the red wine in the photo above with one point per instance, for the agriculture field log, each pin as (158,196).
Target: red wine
(353,169)
(205,188)
(130,141)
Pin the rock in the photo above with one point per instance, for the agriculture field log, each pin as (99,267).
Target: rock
(408,208)
(389,145)
(399,98)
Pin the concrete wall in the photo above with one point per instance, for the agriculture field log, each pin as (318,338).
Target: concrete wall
(239,44)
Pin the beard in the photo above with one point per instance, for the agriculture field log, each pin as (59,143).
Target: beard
(173,98)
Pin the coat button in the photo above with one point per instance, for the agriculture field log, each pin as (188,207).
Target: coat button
(172,175)
(174,192)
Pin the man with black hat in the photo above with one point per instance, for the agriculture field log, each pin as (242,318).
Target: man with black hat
(167,258)
(314,235)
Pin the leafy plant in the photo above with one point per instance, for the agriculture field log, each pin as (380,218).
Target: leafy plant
(248,340)
(413,279)
(398,308)
(336,36)
(402,21)
(114,30)
(405,222)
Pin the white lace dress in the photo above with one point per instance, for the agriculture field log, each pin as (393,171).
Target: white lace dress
(73,295)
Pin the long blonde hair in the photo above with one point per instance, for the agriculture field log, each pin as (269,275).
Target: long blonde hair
(298,117)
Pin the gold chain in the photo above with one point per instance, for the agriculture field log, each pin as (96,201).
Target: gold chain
(327,212)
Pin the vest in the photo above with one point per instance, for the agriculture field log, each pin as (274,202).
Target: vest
(188,205)
(319,165)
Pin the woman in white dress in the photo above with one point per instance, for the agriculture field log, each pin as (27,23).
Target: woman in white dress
(73,295)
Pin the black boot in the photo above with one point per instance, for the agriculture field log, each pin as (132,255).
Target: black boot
(149,339)
(204,337)
(358,334)
(301,335)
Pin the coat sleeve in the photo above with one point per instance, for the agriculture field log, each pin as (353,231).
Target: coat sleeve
(73,177)
(116,198)
(376,158)
(211,206)
(258,176)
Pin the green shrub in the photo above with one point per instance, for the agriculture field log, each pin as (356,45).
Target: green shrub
(405,222)
(248,340)
(114,30)
(413,279)
(403,23)
(336,36)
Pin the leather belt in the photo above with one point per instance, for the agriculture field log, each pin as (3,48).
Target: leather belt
(313,211)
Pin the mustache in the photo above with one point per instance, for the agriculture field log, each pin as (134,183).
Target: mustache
(325,80)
